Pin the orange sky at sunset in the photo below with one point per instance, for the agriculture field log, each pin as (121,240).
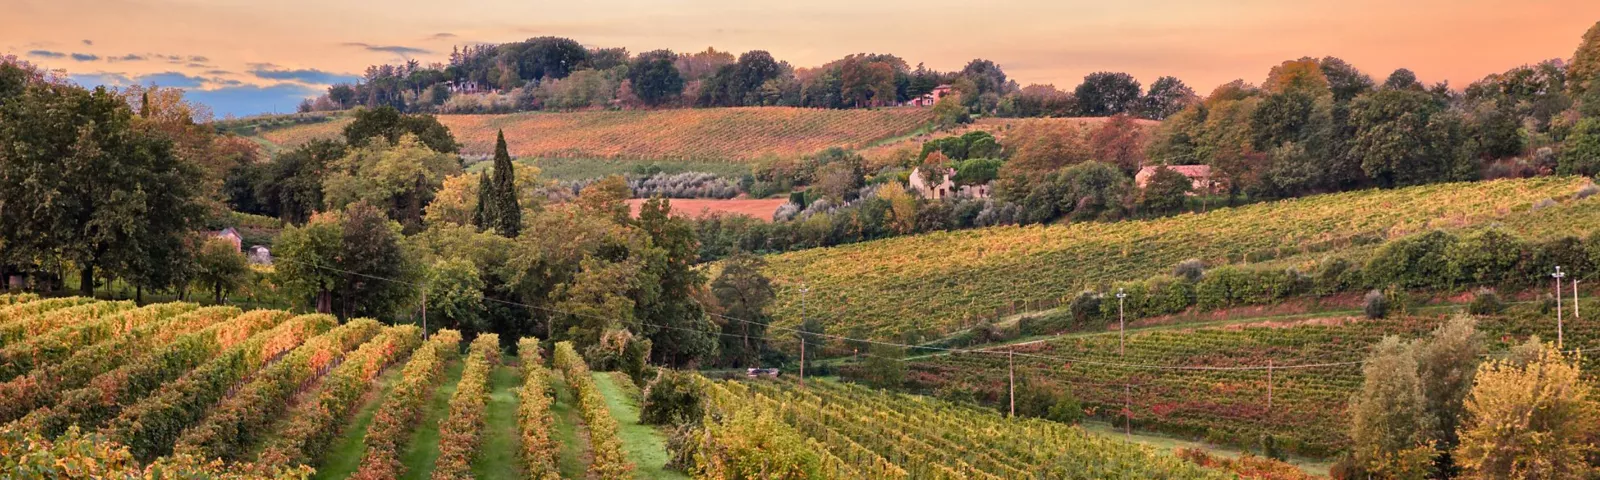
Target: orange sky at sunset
(283,49)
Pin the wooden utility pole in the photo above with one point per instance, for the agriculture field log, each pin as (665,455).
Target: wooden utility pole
(1575,299)
(424,314)
(802,359)
(1560,330)
(1012,366)
(1269,389)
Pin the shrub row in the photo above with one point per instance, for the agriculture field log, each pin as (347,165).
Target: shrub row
(237,423)
(151,427)
(27,454)
(22,328)
(102,398)
(16,298)
(610,462)
(399,414)
(43,385)
(20,358)
(539,448)
(21,311)
(313,425)
(460,433)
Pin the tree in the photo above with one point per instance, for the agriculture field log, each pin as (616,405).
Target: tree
(505,217)
(292,185)
(654,77)
(1405,138)
(948,112)
(220,268)
(1119,141)
(672,316)
(1402,79)
(902,208)
(391,125)
(597,300)
(1165,191)
(457,201)
(1389,426)
(743,292)
(1446,364)
(1580,152)
(306,257)
(935,167)
(1344,80)
(545,57)
(985,75)
(455,296)
(1094,190)
(371,248)
(1303,75)
(885,366)
(401,178)
(1167,96)
(1532,420)
(1585,67)
(1107,93)
(81,182)
(1047,146)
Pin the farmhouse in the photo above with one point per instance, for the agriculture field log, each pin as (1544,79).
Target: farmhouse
(232,236)
(947,188)
(930,98)
(1200,175)
(259,255)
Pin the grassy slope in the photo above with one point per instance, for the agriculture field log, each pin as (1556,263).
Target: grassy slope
(1168,443)
(497,456)
(646,447)
(574,442)
(955,275)
(419,458)
(343,457)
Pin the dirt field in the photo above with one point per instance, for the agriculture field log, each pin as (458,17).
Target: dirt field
(761,209)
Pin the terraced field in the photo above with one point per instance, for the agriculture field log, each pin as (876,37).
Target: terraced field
(681,135)
(937,283)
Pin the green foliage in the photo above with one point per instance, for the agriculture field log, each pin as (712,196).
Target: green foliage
(1375,305)
(1490,257)
(455,296)
(402,410)
(1166,191)
(948,113)
(1414,262)
(1067,409)
(503,215)
(401,178)
(1103,94)
(654,77)
(673,398)
(1405,138)
(884,367)
(743,292)
(977,171)
(1580,152)
(391,125)
(221,268)
(460,432)
(312,262)
(1485,302)
(1389,417)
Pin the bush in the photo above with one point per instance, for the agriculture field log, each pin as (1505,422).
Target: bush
(1066,410)
(1485,302)
(1085,307)
(1375,305)
(1191,269)
(674,398)
(1419,261)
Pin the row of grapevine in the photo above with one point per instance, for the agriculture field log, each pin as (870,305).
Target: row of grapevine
(313,425)
(716,134)
(16,298)
(397,417)
(20,358)
(459,435)
(744,438)
(233,426)
(861,290)
(28,309)
(42,384)
(21,328)
(77,455)
(151,427)
(934,439)
(534,419)
(90,388)
(610,462)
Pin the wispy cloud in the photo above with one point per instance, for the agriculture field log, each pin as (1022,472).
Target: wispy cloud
(198,59)
(46,54)
(114,79)
(306,75)
(128,58)
(395,49)
(218,72)
(442,36)
(85,57)
(88,42)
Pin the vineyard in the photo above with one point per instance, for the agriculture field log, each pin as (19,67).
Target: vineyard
(1221,392)
(936,283)
(705,135)
(846,431)
(174,390)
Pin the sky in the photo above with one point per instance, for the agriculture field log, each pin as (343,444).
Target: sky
(246,57)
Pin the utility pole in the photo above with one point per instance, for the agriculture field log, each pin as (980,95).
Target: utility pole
(1269,389)
(424,313)
(1122,325)
(803,332)
(1559,330)
(1575,299)
(1012,366)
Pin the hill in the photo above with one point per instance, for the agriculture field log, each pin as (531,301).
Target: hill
(997,126)
(706,135)
(935,283)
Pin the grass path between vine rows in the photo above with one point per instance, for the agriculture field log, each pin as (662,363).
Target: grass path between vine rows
(646,446)
(344,455)
(1167,444)
(497,457)
(423,450)
(569,430)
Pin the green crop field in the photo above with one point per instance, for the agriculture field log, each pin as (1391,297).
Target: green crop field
(938,283)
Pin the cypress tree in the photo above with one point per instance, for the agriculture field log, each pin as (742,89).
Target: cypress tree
(507,218)
(144,105)
(483,214)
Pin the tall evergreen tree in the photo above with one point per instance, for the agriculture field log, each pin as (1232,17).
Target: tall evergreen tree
(483,214)
(507,218)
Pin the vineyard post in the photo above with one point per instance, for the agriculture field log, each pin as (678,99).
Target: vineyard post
(1574,299)
(1122,324)
(803,291)
(1269,390)
(1122,346)
(1559,330)
(1012,367)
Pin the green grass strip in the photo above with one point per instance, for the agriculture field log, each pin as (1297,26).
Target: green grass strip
(498,456)
(423,451)
(344,456)
(645,445)
(574,462)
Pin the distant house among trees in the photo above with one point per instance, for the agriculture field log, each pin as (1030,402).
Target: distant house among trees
(946,188)
(260,255)
(930,98)
(1199,174)
(464,86)
(232,236)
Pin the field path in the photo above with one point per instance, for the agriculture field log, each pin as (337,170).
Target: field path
(645,445)
(497,456)
(344,456)
(423,450)
(569,430)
